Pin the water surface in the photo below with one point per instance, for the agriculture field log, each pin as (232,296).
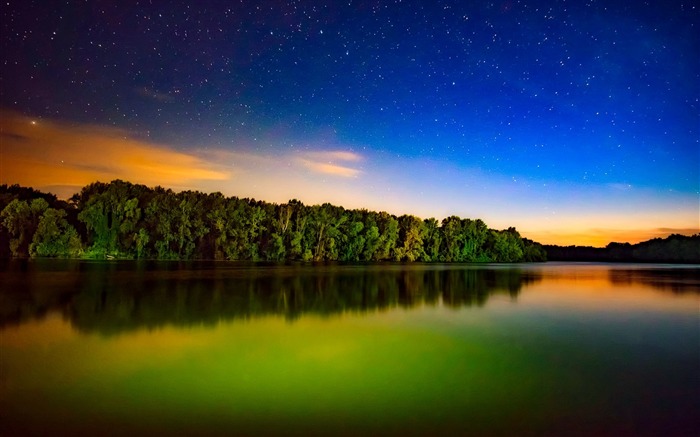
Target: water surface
(121,348)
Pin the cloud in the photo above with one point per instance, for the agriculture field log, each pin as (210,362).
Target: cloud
(63,157)
(326,162)
(47,153)
(329,168)
(334,155)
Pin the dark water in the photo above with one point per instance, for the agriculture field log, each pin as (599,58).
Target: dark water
(125,348)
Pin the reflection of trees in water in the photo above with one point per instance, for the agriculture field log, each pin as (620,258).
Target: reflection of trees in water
(25,294)
(675,280)
(110,297)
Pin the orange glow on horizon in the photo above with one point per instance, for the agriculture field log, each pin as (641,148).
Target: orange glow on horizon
(602,237)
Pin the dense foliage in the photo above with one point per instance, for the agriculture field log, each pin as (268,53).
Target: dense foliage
(124,220)
(675,248)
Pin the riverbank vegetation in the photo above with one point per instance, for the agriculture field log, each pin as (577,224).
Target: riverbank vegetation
(128,221)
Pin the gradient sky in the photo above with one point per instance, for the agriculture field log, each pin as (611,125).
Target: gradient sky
(577,122)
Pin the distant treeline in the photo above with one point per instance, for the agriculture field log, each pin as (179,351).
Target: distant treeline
(122,220)
(673,249)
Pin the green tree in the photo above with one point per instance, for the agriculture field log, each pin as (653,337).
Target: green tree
(432,240)
(21,219)
(216,218)
(111,213)
(352,238)
(533,252)
(453,239)
(326,222)
(505,246)
(277,251)
(177,222)
(141,241)
(464,240)
(388,228)
(244,226)
(54,237)
(371,235)
(189,225)
(410,245)
(160,223)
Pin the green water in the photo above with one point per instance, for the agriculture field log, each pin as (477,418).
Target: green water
(90,348)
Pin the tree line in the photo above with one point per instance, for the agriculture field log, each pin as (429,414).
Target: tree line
(672,249)
(130,221)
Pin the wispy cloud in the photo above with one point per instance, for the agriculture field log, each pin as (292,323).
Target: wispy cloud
(329,168)
(334,155)
(334,162)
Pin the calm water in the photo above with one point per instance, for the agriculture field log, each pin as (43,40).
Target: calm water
(90,348)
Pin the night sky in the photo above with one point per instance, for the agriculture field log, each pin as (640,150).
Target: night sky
(577,122)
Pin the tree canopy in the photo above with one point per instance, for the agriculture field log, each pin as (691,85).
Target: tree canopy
(124,220)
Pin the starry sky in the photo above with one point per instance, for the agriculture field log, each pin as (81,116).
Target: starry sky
(577,122)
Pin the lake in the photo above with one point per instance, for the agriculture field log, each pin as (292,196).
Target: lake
(156,348)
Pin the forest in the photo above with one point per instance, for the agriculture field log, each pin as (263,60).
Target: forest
(675,249)
(121,220)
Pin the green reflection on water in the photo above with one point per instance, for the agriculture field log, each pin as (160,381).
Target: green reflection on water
(432,351)
(270,375)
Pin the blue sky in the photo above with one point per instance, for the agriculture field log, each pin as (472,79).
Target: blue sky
(576,122)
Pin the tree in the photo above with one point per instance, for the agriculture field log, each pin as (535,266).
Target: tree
(453,239)
(370,234)
(352,239)
(177,223)
(141,241)
(159,220)
(464,240)
(54,237)
(388,228)
(111,213)
(476,235)
(299,241)
(188,223)
(326,224)
(216,223)
(505,246)
(244,225)
(533,252)
(432,240)
(21,219)
(410,245)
